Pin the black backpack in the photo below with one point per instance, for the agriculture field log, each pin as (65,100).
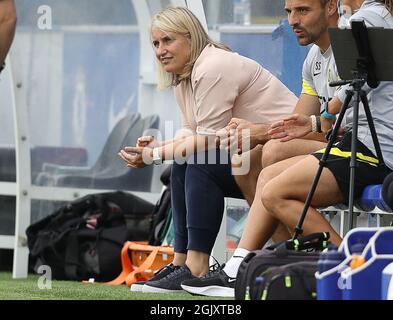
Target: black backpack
(162,214)
(293,281)
(83,239)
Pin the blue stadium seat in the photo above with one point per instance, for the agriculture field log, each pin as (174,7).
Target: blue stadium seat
(372,198)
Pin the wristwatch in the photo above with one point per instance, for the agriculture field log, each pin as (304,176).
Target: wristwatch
(157,160)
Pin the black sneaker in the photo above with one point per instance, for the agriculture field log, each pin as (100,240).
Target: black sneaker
(214,284)
(163,272)
(170,283)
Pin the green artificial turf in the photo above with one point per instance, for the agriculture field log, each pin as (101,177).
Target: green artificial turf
(28,289)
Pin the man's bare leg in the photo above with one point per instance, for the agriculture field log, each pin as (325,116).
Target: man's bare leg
(274,205)
(260,225)
(248,182)
(275,151)
(255,231)
(283,197)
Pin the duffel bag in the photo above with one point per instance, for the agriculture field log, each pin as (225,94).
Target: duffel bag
(293,281)
(306,249)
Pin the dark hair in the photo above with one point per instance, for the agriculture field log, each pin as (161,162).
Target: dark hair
(388,4)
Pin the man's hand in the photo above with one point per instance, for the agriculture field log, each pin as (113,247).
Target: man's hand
(328,125)
(292,127)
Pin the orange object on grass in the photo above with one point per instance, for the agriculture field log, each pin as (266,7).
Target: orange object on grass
(140,261)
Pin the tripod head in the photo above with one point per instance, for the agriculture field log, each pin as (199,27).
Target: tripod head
(365,64)
(364,70)
(363,54)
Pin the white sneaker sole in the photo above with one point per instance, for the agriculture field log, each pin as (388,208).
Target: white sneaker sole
(211,291)
(137,287)
(149,289)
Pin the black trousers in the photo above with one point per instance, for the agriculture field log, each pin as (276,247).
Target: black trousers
(198,190)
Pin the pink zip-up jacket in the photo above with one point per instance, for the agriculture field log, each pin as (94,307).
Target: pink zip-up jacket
(226,85)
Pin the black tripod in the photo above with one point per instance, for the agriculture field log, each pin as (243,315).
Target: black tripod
(363,73)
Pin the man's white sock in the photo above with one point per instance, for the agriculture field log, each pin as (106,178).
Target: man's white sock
(233,264)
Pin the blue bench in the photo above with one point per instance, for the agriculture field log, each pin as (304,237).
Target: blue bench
(371,203)
(372,198)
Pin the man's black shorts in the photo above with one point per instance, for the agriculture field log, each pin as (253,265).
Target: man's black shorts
(367,172)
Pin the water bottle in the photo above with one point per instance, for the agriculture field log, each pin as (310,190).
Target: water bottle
(327,280)
(357,248)
(387,282)
(242,12)
(330,259)
(357,259)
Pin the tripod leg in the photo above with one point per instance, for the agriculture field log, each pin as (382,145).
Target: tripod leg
(372,128)
(353,162)
(322,164)
(363,97)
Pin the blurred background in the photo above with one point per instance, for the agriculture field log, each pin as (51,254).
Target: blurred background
(80,84)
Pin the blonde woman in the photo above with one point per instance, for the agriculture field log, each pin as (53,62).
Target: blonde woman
(212,85)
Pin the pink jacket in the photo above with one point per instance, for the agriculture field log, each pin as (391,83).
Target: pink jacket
(225,85)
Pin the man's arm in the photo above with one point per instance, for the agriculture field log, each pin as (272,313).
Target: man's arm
(258,132)
(7,27)
(309,105)
(299,125)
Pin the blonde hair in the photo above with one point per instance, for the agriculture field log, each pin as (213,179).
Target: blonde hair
(181,20)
